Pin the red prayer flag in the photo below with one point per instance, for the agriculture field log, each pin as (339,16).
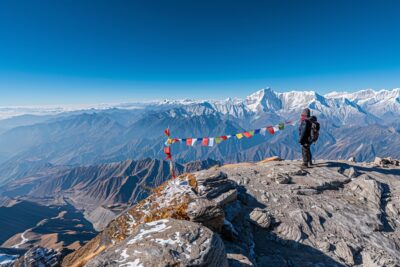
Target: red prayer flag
(189,141)
(167,152)
(224,137)
(205,141)
(270,129)
(166,132)
(247,134)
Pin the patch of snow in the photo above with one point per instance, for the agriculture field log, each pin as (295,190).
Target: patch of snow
(158,226)
(6,259)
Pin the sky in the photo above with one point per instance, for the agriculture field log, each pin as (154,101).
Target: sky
(69,52)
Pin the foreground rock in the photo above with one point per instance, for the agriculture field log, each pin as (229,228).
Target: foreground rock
(171,242)
(270,213)
(199,198)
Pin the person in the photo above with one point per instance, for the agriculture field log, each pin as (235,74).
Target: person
(305,137)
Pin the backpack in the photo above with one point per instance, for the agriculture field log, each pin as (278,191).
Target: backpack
(314,134)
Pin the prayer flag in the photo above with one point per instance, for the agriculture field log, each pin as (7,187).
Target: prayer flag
(276,128)
(194,141)
(270,130)
(218,140)
(257,131)
(205,141)
(224,137)
(281,126)
(211,141)
(247,134)
(167,152)
(239,136)
(166,132)
(189,141)
(263,131)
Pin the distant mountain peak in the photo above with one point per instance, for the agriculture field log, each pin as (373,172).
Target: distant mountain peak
(263,100)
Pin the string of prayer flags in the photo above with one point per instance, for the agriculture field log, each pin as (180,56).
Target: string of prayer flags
(211,141)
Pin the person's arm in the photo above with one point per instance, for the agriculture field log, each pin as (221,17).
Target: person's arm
(302,131)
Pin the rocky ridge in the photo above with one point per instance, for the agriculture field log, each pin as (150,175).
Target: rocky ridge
(270,213)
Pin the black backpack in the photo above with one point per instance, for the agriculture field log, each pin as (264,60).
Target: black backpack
(314,134)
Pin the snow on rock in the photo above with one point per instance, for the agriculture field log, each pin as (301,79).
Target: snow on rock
(198,197)
(7,260)
(181,243)
(39,256)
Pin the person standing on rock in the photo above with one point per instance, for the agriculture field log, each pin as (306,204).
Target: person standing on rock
(305,137)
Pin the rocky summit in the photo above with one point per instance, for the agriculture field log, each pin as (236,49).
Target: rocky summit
(269,213)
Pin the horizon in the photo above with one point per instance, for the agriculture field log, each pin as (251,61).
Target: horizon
(63,53)
(111,104)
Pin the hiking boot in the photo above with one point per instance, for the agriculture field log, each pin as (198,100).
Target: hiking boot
(304,166)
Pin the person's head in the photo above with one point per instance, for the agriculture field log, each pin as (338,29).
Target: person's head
(313,118)
(305,114)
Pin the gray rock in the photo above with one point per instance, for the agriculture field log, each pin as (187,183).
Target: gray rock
(282,178)
(207,213)
(260,217)
(351,172)
(39,256)
(344,252)
(166,243)
(226,198)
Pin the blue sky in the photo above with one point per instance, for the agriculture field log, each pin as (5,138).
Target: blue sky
(59,52)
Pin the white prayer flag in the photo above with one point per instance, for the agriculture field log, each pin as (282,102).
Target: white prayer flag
(194,141)
(211,141)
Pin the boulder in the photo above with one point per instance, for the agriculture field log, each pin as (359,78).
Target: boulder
(260,217)
(282,178)
(351,172)
(166,242)
(207,213)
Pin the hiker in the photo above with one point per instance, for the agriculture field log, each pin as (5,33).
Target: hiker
(308,134)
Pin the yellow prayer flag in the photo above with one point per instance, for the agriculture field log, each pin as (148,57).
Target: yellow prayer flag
(239,136)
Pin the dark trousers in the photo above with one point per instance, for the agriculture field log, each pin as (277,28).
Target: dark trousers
(306,152)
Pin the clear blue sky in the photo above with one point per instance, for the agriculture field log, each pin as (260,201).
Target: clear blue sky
(57,52)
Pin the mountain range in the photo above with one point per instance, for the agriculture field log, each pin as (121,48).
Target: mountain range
(363,125)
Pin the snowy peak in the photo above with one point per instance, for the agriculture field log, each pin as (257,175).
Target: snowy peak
(263,100)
